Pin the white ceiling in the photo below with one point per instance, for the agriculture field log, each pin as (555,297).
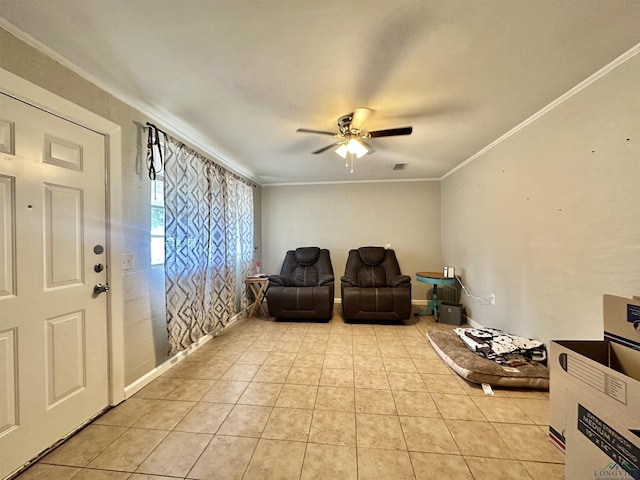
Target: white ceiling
(238,77)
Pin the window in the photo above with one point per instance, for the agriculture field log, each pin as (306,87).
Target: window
(157,221)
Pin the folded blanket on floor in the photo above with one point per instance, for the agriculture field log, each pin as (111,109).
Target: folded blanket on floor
(501,346)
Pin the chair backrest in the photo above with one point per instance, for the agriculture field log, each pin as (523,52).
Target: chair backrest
(304,266)
(372,266)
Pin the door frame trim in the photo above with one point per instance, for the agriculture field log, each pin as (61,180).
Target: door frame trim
(32,94)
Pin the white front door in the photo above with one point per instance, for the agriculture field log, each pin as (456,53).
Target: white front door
(54,372)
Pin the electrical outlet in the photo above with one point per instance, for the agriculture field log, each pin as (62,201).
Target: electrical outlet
(388,246)
(492,299)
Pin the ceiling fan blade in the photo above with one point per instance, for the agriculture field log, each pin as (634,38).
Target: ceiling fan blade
(360,117)
(306,130)
(324,149)
(391,132)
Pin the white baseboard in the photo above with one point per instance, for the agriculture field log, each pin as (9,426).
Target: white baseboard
(150,376)
(473,323)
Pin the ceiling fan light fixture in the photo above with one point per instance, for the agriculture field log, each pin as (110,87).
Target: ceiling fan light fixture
(342,150)
(356,146)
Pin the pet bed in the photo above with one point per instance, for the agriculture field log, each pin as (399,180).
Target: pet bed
(477,369)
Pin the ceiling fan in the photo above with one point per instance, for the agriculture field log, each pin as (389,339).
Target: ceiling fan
(352,135)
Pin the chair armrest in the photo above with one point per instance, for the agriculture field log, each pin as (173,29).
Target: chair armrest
(400,280)
(279,281)
(346,279)
(325,280)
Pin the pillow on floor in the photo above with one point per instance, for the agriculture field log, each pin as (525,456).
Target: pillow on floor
(477,369)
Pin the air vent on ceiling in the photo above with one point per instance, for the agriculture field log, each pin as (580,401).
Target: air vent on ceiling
(400,166)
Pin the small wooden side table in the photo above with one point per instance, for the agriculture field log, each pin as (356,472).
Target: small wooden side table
(258,286)
(435,279)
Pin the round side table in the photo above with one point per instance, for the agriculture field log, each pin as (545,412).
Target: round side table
(435,279)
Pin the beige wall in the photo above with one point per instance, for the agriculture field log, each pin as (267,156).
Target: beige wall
(549,220)
(145,328)
(343,216)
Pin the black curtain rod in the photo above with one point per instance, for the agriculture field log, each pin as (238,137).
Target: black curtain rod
(157,129)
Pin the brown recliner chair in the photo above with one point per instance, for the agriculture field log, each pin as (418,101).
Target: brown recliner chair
(305,287)
(373,287)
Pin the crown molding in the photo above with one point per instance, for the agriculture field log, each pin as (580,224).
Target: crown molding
(340,182)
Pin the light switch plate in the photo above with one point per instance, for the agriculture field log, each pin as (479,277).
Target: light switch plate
(127,261)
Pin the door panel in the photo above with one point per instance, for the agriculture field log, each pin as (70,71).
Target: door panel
(53,328)
(63,153)
(6,136)
(8,380)
(63,236)
(7,232)
(66,359)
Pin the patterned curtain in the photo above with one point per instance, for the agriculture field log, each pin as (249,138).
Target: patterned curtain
(208,244)
(241,209)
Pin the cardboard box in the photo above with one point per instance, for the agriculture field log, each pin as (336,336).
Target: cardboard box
(595,397)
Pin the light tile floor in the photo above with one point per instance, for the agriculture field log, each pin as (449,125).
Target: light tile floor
(301,400)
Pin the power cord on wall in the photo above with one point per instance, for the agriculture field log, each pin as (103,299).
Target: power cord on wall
(482,300)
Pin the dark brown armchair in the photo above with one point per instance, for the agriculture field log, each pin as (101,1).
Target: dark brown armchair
(305,286)
(373,287)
